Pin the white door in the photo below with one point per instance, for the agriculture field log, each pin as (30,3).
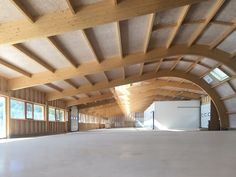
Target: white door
(2,117)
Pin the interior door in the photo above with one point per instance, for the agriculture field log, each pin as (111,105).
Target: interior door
(2,117)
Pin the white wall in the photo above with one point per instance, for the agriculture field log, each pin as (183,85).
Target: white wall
(174,115)
(148,120)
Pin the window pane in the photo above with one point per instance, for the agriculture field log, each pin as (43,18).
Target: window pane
(219,74)
(57,115)
(29,108)
(208,79)
(51,114)
(17,109)
(61,115)
(38,112)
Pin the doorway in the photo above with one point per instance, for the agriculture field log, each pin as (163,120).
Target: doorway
(2,117)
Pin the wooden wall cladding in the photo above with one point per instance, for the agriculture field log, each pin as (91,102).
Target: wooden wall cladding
(90,126)
(21,128)
(29,94)
(57,103)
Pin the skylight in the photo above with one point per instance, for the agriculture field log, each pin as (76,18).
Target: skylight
(208,79)
(219,74)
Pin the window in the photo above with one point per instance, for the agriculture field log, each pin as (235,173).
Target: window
(51,114)
(219,74)
(57,115)
(208,79)
(62,114)
(29,111)
(38,112)
(17,109)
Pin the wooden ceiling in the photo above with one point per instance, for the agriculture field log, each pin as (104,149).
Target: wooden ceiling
(78,50)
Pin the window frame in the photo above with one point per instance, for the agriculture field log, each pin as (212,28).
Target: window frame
(26,117)
(10,109)
(38,104)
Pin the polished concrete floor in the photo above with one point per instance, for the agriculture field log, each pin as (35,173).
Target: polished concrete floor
(121,153)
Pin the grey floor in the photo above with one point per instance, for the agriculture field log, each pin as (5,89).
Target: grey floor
(121,153)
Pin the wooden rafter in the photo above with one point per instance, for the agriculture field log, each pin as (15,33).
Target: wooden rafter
(176,63)
(90,15)
(159,64)
(71,7)
(141,69)
(15,68)
(55,87)
(90,45)
(151,19)
(89,99)
(213,11)
(22,9)
(193,65)
(33,57)
(223,36)
(62,52)
(182,15)
(68,81)
(109,64)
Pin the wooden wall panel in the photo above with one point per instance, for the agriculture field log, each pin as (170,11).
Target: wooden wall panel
(90,126)
(21,128)
(57,103)
(29,94)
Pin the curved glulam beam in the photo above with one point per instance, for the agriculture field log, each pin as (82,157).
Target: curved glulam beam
(86,17)
(165,73)
(109,64)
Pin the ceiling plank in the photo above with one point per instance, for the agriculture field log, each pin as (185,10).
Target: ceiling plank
(212,12)
(87,17)
(109,64)
(15,68)
(182,15)
(22,9)
(33,57)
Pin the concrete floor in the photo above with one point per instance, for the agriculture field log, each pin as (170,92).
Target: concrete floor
(121,153)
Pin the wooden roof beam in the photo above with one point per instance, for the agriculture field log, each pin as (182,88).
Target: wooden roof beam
(212,12)
(68,81)
(151,19)
(91,99)
(71,7)
(23,10)
(182,15)
(55,87)
(33,57)
(87,17)
(61,52)
(109,64)
(15,68)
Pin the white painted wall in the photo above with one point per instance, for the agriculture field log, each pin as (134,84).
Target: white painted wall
(148,120)
(174,115)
